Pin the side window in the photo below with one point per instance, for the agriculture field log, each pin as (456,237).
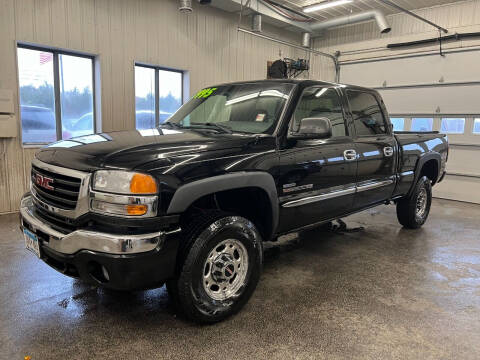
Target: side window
(321,102)
(367,115)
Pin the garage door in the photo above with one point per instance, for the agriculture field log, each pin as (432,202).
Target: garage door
(425,91)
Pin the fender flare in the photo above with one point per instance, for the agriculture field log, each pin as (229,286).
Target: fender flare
(421,161)
(187,194)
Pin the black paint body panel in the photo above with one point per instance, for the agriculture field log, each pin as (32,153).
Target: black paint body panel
(182,156)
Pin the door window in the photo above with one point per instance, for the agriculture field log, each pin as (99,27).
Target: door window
(367,114)
(321,102)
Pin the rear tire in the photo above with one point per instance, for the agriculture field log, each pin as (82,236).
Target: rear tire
(413,211)
(219,266)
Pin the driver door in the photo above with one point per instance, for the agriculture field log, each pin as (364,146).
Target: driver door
(318,175)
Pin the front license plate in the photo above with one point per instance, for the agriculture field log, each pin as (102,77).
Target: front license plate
(31,242)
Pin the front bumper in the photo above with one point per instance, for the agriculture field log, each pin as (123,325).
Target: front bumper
(123,262)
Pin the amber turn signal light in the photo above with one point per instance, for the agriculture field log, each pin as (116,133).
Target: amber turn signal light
(143,184)
(136,209)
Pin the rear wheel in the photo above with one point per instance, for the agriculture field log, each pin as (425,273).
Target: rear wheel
(219,267)
(413,211)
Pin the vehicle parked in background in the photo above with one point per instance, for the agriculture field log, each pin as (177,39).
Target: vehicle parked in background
(192,203)
(145,119)
(38,124)
(83,125)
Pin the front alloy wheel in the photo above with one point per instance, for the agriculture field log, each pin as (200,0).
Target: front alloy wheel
(219,266)
(225,269)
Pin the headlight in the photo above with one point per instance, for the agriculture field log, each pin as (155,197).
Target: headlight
(124,193)
(124,182)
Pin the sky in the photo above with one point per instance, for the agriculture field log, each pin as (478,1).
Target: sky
(36,68)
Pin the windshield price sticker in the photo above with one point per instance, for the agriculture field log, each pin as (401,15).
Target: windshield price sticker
(205,93)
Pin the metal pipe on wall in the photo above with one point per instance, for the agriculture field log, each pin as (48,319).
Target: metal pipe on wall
(377,15)
(389,3)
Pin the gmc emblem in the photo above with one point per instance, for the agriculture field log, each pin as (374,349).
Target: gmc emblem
(44,182)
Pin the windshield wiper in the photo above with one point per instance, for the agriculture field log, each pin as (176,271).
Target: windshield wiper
(223,128)
(173,125)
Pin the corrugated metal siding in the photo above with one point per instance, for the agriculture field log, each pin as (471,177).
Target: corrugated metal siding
(120,32)
(454,17)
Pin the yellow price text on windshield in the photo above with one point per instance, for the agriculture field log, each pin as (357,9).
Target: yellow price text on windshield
(205,93)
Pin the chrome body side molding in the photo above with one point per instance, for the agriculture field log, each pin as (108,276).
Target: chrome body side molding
(352,189)
(325,196)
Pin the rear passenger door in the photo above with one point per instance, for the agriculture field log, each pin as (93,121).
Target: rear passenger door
(317,181)
(375,146)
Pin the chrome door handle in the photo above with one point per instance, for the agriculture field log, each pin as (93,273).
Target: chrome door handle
(350,155)
(388,151)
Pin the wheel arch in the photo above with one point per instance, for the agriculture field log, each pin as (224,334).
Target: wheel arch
(237,184)
(427,165)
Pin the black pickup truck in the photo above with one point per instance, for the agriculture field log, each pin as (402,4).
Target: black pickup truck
(190,203)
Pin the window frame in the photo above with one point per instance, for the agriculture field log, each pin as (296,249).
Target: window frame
(474,118)
(340,98)
(455,118)
(388,127)
(56,87)
(426,117)
(398,117)
(157,87)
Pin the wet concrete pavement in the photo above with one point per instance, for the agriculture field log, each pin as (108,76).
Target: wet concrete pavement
(383,293)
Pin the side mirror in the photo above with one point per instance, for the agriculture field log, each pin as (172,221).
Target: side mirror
(313,128)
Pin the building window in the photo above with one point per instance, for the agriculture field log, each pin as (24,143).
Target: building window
(476,126)
(422,124)
(453,125)
(158,94)
(398,124)
(56,95)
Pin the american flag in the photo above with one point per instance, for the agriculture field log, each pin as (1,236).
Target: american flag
(45,57)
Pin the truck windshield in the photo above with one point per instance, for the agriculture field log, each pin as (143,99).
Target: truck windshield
(252,108)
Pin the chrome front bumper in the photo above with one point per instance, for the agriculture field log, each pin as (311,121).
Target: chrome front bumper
(90,240)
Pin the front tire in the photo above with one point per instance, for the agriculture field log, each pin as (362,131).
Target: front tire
(219,267)
(413,211)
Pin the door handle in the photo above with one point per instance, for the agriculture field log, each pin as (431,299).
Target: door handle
(350,155)
(388,151)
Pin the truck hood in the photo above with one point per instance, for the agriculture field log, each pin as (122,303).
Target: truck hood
(132,149)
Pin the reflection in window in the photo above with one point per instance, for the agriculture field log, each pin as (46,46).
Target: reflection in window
(321,102)
(398,124)
(76,89)
(38,71)
(37,96)
(422,124)
(476,126)
(367,114)
(170,97)
(252,108)
(155,86)
(144,97)
(453,125)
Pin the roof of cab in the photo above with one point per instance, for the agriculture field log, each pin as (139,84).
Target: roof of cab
(302,82)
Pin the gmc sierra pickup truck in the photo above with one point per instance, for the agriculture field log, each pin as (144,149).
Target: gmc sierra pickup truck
(191,202)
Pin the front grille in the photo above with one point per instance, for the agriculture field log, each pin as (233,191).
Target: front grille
(65,189)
